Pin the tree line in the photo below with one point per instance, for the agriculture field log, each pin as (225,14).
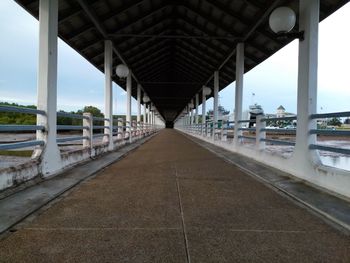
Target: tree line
(16,118)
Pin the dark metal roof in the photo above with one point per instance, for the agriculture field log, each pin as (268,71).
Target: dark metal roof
(173,47)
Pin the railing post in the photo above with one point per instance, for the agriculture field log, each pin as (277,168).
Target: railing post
(88,132)
(138,129)
(120,129)
(127,134)
(223,132)
(213,131)
(259,133)
(207,129)
(133,129)
(144,113)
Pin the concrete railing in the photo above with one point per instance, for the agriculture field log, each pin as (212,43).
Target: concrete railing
(255,139)
(92,142)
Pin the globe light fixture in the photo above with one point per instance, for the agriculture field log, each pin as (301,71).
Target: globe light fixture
(122,71)
(281,21)
(145,98)
(206,90)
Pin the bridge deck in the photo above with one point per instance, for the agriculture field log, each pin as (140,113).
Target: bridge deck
(174,201)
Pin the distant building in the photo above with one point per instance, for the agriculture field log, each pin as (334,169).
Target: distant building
(281,112)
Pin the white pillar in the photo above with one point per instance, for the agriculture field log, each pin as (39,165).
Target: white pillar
(144,113)
(149,113)
(239,89)
(150,116)
(108,94)
(191,116)
(47,87)
(204,100)
(196,105)
(188,115)
(216,101)
(128,104)
(138,120)
(307,80)
(138,104)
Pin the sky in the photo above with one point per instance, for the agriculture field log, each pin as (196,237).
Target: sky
(80,83)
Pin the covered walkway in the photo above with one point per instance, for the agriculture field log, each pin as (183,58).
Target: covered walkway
(171,200)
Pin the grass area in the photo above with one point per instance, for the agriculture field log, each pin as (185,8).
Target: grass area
(24,153)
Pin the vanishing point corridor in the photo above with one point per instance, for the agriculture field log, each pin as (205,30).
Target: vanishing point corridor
(172,200)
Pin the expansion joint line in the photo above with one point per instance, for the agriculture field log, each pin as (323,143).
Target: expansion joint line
(184,232)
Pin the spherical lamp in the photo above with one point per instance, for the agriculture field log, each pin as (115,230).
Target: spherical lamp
(145,98)
(206,90)
(282,20)
(122,71)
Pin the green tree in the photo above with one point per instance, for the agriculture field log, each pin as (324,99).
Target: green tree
(64,120)
(334,122)
(221,110)
(96,112)
(15,117)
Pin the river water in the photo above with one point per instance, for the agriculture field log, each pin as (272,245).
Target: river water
(342,162)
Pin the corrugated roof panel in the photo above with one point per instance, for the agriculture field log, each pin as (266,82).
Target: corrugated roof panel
(172,42)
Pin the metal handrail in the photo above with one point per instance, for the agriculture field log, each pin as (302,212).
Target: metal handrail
(330,115)
(247,129)
(245,121)
(71,115)
(21,110)
(246,137)
(71,127)
(330,132)
(280,130)
(99,135)
(21,128)
(75,138)
(130,126)
(17,145)
(288,118)
(100,119)
(329,148)
(278,142)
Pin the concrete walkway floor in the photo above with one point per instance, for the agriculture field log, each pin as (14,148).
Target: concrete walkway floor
(174,201)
